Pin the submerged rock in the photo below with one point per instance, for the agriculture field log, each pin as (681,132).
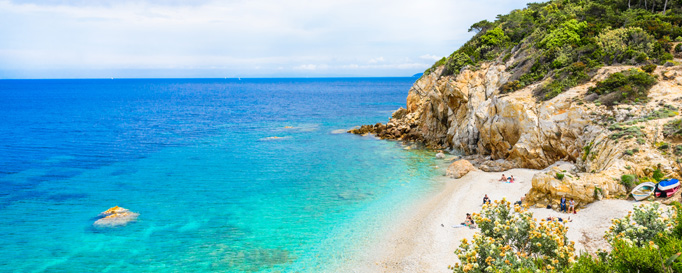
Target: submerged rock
(115,216)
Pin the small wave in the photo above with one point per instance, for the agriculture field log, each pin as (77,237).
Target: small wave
(339,131)
(303,127)
(272,138)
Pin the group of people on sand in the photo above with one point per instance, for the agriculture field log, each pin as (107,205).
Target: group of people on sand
(559,219)
(509,179)
(564,208)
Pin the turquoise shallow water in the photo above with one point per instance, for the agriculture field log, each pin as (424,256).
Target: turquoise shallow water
(198,161)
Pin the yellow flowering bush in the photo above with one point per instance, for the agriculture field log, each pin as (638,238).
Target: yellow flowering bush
(642,225)
(511,240)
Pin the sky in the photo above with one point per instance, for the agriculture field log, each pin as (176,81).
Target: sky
(234,38)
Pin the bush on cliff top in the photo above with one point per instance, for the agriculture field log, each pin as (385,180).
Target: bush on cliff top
(564,41)
(624,86)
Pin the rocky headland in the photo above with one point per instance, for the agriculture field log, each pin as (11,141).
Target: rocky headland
(469,113)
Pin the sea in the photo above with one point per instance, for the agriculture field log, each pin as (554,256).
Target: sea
(227,175)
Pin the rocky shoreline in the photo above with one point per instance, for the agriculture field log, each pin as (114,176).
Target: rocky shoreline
(498,131)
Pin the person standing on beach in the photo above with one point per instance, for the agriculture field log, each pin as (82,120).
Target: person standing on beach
(563,204)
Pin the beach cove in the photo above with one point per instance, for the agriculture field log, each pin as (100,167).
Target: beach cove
(423,239)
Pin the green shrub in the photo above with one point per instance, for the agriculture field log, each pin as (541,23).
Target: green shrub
(621,45)
(642,225)
(456,62)
(567,34)
(649,68)
(628,132)
(436,65)
(560,176)
(673,128)
(658,175)
(665,112)
(628,180)
(631,84)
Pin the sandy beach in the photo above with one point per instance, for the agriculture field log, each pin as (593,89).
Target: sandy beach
(424,239)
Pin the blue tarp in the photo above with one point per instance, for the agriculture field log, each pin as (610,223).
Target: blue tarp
(668,182)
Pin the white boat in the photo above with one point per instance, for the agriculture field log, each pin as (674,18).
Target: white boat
(643,190)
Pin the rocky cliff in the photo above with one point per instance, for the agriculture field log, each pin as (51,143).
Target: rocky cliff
(468,113)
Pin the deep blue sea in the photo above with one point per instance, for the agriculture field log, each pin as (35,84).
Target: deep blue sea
(199,161)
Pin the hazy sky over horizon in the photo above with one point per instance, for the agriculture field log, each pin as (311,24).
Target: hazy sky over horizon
(258,38)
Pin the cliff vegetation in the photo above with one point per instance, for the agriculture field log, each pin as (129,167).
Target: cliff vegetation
(564,42)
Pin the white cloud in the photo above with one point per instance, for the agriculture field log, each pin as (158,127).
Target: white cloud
(376,60)
(306,67)
(430,57)
(236,35)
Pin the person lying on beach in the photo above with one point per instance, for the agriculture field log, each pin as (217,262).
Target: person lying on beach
(559,219)
(520,202)
(504,178)
(470,223)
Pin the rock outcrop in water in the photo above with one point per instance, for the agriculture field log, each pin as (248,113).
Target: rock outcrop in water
(468,113)
(115,216)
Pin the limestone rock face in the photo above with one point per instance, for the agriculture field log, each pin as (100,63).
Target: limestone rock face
(468,113)
(583,188)
(459,168)
(115,216)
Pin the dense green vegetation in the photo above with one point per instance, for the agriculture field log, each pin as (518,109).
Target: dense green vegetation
(564,41)
(627,86)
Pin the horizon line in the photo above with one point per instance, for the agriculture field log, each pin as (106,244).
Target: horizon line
(217,78)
